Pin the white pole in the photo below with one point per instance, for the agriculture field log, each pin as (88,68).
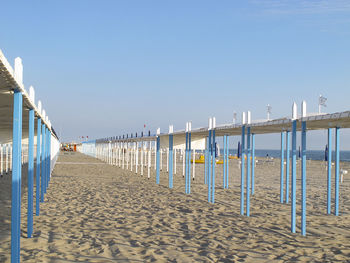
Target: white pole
(149,161)
(110,153)
(7,158)
(155,156)
(123,153)
(141,158)
(161,160)
(132,155)
(137,157)
(127,156)
(11,157)
(194,163)
(116,154)
(113,154)
(183,162)
(119,153)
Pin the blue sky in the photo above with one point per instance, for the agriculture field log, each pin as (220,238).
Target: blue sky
(105,68)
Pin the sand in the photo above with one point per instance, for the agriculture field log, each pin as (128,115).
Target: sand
(94,212)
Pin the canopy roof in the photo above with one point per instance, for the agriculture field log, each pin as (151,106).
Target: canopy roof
(8,84)
(313,122)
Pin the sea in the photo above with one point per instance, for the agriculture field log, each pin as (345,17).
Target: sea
(310,155)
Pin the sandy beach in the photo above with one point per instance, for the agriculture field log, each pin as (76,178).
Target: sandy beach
(94,212)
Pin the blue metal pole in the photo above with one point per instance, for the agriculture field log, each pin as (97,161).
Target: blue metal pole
(43,163)
(242,169)
(303,178)
(16,177)
(38,159)
(336,211)
(329,171)
(224,164)
(253,163)
(158,160)
(49,155)
(206,162)
(248,172)
(294,177)
(282,168)
(47,160)
(30,173)
(227,153)
(186,163)
(209,167)
(213,169)
(287,166)
(189,164)
(171,161)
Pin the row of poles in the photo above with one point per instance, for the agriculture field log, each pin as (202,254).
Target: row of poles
(20,154)
(284,175)
(138,155)
(43,170)
(248,169)
(6,157)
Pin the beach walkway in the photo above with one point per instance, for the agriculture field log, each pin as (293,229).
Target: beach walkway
(95,212)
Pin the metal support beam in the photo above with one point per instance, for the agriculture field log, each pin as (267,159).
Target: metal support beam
(206,160)
(287,165)
(189,164)
(38,160)
(329,172)
(253,163)
(158,160)
(48,173)
(186,163)
(242,169)
(282,168)
(294,175)
(209,165)
(43,163)
(336,184)
(227,154)
(49,156)
(213,167)
(224,164)
(303,178)
(30,174)
(248,172)
(171,161)
(16,177)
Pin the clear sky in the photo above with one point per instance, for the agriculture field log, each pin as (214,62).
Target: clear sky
(105,68)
